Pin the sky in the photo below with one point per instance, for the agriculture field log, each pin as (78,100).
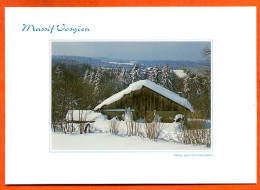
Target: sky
(133,50)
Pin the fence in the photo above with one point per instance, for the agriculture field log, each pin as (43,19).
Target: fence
(196,136)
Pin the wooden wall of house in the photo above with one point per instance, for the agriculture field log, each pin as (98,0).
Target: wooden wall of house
(111,114)
(144,102)
(166,116)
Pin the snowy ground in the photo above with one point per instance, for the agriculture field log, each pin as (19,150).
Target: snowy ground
(101,138)
(108,141)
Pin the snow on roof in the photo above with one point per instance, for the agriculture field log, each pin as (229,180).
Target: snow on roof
(151,85)
(82,115)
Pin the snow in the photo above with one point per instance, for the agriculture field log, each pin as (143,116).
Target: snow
(83,115)
(178,116)
(180,73)
(108,141)
(101,125)
(100,137)
(117,63)
(151,85)
(171,131)
(168,132)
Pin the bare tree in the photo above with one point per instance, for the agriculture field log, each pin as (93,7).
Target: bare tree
(206,52)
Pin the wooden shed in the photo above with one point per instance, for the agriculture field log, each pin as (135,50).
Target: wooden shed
(143,97)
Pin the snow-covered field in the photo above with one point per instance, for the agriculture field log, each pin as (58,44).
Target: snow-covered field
(101,138)
(108,141)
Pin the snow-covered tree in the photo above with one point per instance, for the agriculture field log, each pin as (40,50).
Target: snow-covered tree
(155,75)
(145,74)
(135,74)
(86,76)
(165,80)
(123,78)
(186,85)
(191,85)
(59,70)
(97,80)
(92,76)
(196,85)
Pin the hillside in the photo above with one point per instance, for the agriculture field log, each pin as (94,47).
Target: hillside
(112,63)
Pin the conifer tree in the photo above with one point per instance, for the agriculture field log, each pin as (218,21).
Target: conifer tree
(196,85)
(123,78)
(165,80)
(186,85)
(135,74)
(97,80)
(155,75)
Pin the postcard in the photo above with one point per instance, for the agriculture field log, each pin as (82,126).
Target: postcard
(140,95)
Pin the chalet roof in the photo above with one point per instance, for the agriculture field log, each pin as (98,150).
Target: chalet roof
(152,86)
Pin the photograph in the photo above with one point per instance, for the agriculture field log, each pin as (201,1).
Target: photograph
(122,95)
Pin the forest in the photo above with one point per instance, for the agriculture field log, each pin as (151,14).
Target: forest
(83,86)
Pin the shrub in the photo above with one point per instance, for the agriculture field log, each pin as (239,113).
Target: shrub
(152,129)
(113,128)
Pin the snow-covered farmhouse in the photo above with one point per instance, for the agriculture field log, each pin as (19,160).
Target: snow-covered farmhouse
(143,97)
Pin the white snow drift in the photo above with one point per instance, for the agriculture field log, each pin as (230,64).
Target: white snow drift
(101,137)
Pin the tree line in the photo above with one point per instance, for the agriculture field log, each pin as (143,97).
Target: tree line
(83,86)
